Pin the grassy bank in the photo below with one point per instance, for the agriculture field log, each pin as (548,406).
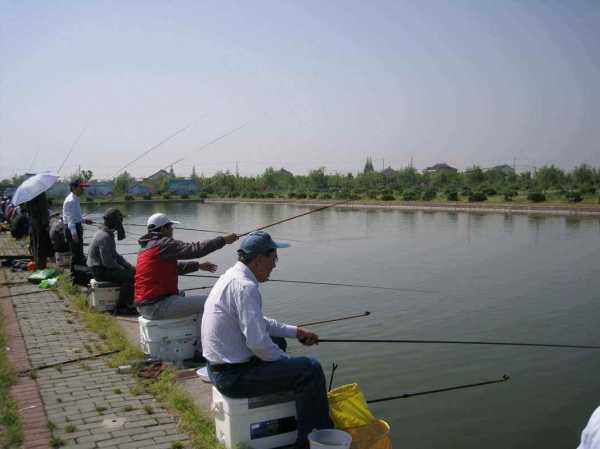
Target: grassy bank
(192,421)
(11,432)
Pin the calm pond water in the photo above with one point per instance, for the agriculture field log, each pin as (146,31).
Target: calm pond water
(494,277)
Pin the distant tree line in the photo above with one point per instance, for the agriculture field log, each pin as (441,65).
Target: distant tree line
(548,183)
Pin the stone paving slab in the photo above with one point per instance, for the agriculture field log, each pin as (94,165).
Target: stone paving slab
(89,405)
(11,248)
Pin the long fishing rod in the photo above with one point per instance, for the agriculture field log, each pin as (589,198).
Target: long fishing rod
(33,292)
(71,149)
(162,142)
(504,378)
(331,284)
(349,317)
(460,342)
(312,211)
(228,133)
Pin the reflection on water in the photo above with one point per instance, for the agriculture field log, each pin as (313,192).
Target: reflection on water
(494,277)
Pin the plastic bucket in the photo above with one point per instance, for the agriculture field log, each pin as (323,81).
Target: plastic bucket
(329,439)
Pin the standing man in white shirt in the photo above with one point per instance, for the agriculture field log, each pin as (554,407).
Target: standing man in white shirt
(73,221)
(243,360)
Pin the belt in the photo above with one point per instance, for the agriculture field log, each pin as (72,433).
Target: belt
(220,367)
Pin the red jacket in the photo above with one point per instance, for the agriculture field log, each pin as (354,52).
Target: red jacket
(157,269)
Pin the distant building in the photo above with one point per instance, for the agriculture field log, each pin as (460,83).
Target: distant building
(388,172)
(506,169)
(182,186)
(101,188)
(159,174)
(139,190)
(284,172)
(440,168)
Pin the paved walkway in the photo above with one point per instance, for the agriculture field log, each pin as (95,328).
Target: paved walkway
(87,404)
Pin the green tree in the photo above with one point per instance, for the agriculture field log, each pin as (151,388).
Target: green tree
(368,166)
(122,183)
(549,177)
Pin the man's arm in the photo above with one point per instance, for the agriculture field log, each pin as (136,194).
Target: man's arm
(176,249)
(108,251)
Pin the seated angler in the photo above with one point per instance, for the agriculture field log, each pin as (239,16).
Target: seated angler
(159,264)
(237,340)
(107,264)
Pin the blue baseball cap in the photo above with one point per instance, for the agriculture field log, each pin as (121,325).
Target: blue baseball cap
(259,242)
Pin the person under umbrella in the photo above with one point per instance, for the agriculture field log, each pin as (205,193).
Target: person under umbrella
(39,230)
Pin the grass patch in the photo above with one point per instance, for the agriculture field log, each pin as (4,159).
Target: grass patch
(11,432)
(51,426)
(100,409)
(128,408)
(148,409)
(70,428)
(117,391)
(56,442)
(192,420)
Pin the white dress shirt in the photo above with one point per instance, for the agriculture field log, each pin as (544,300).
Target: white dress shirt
(233,326)
(72,212)
(590,437)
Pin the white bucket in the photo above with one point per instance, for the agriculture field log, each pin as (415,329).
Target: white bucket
(329,439)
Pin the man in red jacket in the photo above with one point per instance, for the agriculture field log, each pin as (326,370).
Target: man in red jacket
(158,267)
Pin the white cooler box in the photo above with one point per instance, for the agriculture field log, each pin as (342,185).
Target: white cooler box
(170,340)
(264,422)
(103,295)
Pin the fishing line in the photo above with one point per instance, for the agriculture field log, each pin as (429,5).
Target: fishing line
(71,149)
(504,378)
(331,284)
(312,323)
(461,342)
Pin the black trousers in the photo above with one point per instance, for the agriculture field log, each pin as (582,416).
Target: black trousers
(77,256)
(122,277)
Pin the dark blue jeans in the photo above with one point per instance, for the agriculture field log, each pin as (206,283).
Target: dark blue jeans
(302,375)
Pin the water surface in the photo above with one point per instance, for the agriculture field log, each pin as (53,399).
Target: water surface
(488,277)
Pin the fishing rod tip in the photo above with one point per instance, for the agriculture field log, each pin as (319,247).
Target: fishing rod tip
(367,313)
(506,377)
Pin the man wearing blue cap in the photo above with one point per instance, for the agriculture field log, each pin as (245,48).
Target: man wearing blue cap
(237,340)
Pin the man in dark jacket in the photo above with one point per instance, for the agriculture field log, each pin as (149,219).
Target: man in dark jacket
(157,296)
(107,264)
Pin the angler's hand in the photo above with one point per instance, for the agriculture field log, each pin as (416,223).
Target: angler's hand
(307,338)
(88,221)
(230,238)
(208,266)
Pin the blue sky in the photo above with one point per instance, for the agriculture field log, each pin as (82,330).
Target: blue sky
(320,83)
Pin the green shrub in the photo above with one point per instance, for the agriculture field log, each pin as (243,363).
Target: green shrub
(301,195)
(451,195)
(269,195)
(313,195)
(536,197)
(234,194)
(509,194)
(387,197)
(292,195)
(476,197)
(184,196)
(411,195)
(327,196)
(129,198)
(574,196)
(203,195)
(147,196)
(429,194)
(466,191)
(166,196)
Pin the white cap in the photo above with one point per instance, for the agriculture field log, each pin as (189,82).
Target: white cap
(158,221)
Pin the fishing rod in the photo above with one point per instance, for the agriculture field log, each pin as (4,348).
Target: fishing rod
(162,142)
(331,284)
(71,149)
(504,378)
(228,133)
(460,342)
(312,211)
(33,292)
(349,317)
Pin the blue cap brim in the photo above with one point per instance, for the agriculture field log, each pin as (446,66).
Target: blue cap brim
(281,244)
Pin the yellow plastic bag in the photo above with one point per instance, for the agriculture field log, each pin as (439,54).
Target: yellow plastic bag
(372,436)
(348,407)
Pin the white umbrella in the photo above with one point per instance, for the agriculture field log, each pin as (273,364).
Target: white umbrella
(32,187)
